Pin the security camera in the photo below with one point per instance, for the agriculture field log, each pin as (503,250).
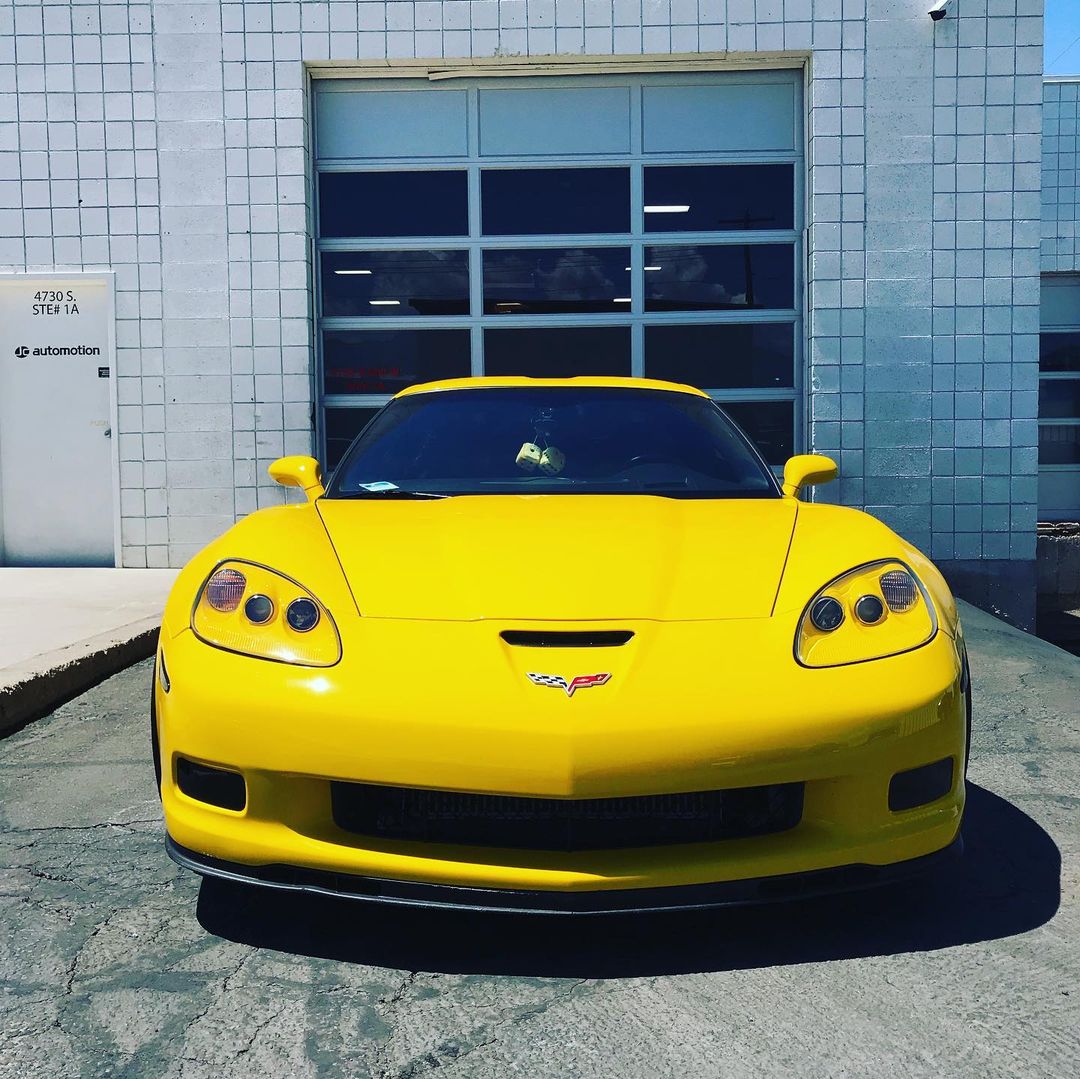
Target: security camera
(939,10)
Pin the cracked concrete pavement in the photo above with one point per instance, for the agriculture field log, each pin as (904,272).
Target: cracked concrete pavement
(115,962)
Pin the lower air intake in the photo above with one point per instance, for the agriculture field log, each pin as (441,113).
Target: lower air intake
(486,820)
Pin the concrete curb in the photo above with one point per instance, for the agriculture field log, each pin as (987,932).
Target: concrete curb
(31,690)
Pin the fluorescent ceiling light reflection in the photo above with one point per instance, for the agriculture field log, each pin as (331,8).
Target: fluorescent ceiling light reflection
(621,299)
(645,268)
(385,303)
(667,209)
(649,269)
(350,273)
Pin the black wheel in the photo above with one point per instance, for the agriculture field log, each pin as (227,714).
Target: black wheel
(155,745)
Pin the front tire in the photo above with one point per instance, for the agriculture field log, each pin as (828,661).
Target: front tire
(965,685)
(155,745)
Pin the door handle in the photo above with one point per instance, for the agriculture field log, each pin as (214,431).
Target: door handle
(108,432)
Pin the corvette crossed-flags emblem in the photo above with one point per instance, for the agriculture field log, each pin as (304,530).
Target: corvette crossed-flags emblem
(581,681)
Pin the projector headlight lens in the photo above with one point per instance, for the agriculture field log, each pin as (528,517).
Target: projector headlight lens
(827,614)
(869,610)
(891,610)
(302,615)
(259,608)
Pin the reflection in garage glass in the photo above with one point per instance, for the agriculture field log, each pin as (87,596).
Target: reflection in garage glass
(1059,352)
(768,424)
(1059,398)
(430,203)
(342,426)
(381,283)
(530,202)
(719,198)
(558,353)
(1059,444)
(386,361)
(556,280)
(724,356)
(713,277)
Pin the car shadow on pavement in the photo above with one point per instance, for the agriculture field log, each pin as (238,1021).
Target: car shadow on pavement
(1008,882)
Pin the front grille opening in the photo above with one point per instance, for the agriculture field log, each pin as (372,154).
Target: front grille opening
(488,820)
(215,786)
(550,638)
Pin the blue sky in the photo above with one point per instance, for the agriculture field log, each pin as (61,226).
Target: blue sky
(1062,37)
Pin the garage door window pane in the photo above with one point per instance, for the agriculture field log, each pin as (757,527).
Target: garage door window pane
(728,356)
(711,198)
(393,203)
(529,202)
(714,277)
(556,280)
(1059,398)
(558,353)
(770,425)
(373,283)
(385,361)
(1059,445)
(342,426)
(1059,352)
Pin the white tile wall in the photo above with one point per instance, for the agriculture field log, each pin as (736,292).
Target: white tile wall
(168,140)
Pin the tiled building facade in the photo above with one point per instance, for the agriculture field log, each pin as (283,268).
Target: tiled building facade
(171,142)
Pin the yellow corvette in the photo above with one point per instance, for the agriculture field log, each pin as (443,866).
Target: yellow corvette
(563,646)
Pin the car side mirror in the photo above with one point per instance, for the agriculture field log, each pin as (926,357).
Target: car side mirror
(807,469)
(302,472)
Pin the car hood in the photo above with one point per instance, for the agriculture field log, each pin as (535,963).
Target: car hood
(571,557)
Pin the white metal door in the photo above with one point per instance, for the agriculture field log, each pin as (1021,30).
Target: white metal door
(57,490)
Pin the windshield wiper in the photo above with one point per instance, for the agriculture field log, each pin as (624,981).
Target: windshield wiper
(396,493)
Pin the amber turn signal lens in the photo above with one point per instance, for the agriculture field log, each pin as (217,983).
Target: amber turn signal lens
(225,589)
(899,589)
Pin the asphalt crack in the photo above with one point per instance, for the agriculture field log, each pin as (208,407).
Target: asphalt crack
(451,1052)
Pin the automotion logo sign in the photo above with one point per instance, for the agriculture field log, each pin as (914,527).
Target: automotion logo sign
(58,350)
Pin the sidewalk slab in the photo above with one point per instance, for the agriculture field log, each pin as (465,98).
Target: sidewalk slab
(63,630)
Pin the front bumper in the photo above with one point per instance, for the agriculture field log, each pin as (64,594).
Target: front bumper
(403,893)
(449,707)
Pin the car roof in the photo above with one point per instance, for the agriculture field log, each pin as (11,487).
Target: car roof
(489,382)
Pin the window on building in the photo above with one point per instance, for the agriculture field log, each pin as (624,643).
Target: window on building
(1059,399)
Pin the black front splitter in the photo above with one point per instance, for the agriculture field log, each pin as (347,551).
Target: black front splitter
(608,901)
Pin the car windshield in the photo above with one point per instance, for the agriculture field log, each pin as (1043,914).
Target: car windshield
(551,440)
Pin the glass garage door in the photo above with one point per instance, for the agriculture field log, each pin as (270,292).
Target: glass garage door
(554,227)
(1059,399)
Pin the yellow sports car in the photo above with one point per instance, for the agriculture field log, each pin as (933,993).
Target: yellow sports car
(566,646)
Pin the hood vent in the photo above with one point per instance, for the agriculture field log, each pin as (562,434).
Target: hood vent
(550,638)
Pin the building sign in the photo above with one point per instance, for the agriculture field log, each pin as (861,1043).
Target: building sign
(56,420)
(41,322)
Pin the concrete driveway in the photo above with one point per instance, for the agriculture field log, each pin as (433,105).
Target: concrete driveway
(114,962)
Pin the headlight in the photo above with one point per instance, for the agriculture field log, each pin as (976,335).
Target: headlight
(247,608)
(872,611)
